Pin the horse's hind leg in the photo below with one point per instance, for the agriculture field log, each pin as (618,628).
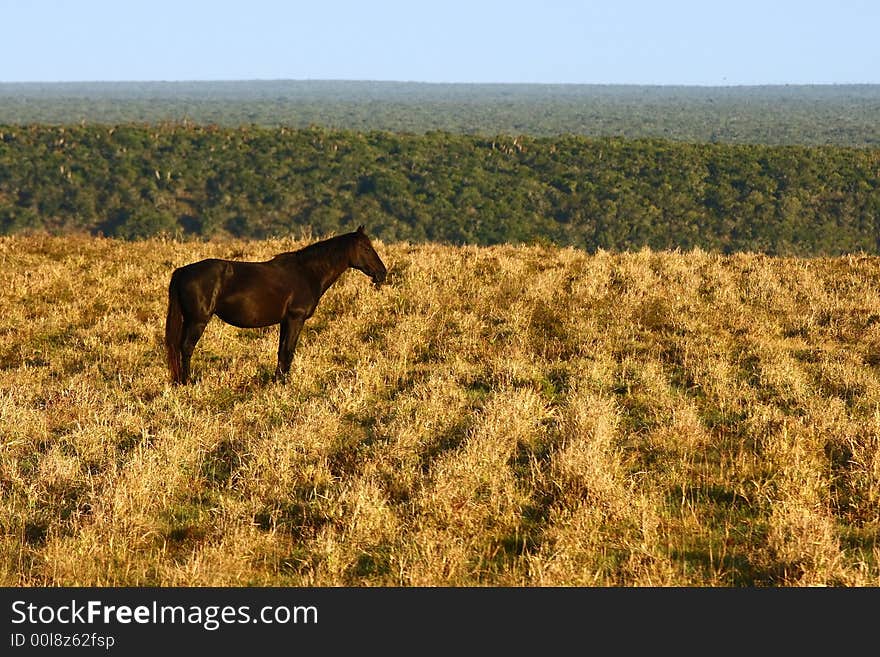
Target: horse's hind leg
(192,331)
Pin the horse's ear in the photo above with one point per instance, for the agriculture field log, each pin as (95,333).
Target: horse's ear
(361,229)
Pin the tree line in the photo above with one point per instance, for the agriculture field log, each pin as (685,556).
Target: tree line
(845,115)
(199,181)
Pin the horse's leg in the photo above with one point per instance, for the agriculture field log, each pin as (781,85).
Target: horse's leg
(289,336)
(192,331)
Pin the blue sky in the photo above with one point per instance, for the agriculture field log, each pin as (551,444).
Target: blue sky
(550,41)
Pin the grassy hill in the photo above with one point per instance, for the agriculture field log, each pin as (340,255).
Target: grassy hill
(494,416)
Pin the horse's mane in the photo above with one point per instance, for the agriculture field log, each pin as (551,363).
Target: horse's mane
(321,249)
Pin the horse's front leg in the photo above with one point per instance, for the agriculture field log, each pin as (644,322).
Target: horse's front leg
(289,336)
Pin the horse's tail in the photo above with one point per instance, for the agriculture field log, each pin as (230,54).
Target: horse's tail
(174,329)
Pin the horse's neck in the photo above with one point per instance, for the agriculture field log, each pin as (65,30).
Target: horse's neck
(326,265)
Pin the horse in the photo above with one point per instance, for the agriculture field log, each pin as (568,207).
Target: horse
(284,290)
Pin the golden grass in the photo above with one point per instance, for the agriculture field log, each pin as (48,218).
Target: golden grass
(520,416)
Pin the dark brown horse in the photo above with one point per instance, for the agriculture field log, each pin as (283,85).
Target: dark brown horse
(284,290)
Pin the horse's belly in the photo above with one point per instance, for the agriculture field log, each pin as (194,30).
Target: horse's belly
(248,313)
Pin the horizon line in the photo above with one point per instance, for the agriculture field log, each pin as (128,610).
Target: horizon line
(435,83)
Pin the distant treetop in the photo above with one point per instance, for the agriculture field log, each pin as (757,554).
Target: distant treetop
(845,115)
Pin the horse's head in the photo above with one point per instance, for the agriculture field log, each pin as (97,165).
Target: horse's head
(364,257)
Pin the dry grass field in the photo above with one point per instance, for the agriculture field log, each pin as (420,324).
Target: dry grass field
(506,416)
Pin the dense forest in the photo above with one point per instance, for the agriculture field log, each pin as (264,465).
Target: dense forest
(780,169)
(189,180)
(844,115)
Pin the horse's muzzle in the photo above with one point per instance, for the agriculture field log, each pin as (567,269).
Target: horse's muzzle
(378,279)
